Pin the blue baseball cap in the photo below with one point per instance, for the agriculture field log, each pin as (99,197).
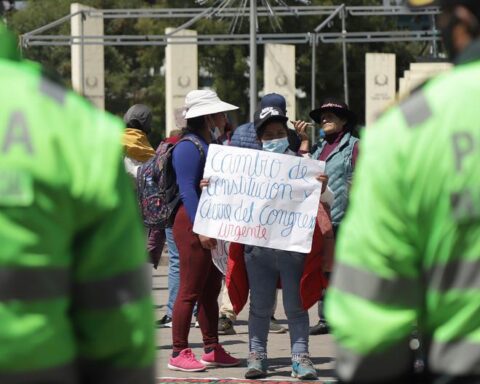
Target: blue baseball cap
(274,100)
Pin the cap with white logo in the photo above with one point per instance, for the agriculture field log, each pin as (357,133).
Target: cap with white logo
(264,115)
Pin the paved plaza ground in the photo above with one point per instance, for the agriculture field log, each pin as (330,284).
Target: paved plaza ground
(321,347)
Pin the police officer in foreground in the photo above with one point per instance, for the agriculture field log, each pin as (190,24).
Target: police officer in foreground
(409,248)
(75,303)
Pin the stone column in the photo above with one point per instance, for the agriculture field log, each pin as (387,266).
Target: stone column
(379,84)
(418,74)
(279,74)
(421,72)
(181,74)
(88,73)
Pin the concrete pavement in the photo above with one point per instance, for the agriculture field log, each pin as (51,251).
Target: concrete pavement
(321,347)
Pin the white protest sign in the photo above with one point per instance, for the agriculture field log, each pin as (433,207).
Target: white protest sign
(259,198)
(220,255)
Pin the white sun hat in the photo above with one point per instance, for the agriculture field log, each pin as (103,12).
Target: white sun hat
(203,102)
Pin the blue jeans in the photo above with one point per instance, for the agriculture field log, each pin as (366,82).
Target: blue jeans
(264,267)
(173,270)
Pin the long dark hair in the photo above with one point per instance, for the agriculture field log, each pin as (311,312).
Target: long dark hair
(194,125)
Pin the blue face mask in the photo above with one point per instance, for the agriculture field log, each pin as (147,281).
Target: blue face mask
(276,145)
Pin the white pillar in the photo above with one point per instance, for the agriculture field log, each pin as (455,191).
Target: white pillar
(88,73)
(279,74)
(181,74)
(421,72)
(418,74)
(379,84)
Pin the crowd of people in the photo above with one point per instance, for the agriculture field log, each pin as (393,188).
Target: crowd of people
(402,235)
(195,282)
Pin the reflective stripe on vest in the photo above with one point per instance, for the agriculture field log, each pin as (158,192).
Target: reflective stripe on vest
(83,373)
(33,283)
(401,291)
(456,274)
(66,374)
(115,291)
(455,358)
(393,362)
(416,109)
(104,373)
(29,284)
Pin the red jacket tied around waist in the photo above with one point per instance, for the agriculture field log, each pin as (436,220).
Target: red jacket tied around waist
(318,261)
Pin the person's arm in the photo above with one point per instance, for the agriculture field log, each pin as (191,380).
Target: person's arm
(374,298)
(301,129)
(188,165)
(111,305)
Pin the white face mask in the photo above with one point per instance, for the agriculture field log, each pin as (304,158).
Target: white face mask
(276,145)
(215,132)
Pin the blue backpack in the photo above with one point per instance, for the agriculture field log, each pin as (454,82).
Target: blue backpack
(157,188)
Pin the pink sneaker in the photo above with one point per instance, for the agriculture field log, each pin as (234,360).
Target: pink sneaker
(219,358)
(185,362)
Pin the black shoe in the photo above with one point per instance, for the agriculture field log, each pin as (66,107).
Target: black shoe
(321,328)
(225,326)
(164,322)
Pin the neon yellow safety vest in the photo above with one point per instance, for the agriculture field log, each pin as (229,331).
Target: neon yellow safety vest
(75,303)
(409,247)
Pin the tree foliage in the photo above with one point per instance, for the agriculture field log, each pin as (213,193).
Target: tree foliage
(134,74)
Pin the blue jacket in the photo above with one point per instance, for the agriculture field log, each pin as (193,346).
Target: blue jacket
(245,136)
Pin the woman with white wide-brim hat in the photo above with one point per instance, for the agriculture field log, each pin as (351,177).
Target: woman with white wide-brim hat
(200,280)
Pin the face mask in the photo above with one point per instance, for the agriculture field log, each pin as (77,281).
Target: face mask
(215,133)
(321,133)
(277,145)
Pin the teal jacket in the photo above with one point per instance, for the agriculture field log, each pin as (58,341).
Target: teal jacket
(338,167)
(409,247)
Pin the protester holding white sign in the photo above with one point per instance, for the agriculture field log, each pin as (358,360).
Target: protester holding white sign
(274,200)
(200,280)
(260,198)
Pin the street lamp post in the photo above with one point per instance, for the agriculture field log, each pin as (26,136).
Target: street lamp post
(253,57)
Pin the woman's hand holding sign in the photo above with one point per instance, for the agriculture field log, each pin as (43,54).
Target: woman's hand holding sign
(322,178)
(204,183)
(207,242)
